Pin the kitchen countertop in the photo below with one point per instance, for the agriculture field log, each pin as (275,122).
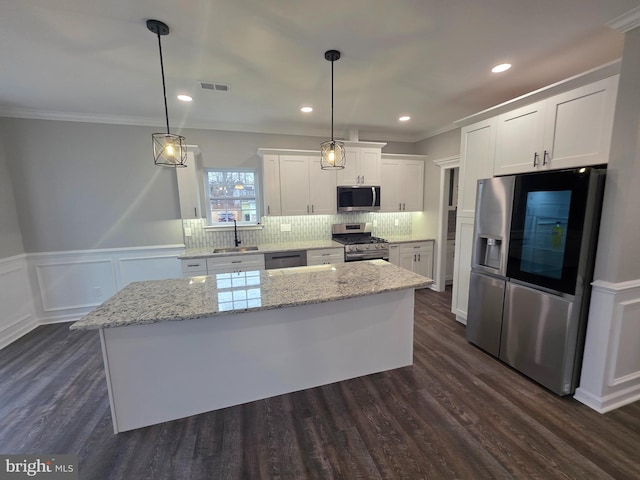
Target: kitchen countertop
(191,253)
(407,239)
(208,296)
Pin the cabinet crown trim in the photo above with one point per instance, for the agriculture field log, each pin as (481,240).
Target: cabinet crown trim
(590,76)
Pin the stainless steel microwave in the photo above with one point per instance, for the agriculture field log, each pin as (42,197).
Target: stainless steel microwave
(358,198)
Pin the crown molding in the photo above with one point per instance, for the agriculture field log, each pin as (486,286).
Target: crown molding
(627,21)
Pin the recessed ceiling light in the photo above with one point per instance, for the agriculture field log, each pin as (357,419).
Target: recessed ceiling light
(306,109)
(404,118)
(184,98)
(503,67)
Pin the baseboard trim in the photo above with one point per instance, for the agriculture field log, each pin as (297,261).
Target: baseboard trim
(609,402)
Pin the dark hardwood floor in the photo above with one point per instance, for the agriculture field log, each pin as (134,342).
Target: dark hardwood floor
(456,413)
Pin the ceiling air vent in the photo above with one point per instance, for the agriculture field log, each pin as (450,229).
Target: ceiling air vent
(217,87)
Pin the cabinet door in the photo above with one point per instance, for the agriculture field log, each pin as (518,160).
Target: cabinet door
(477,151)
(519,140)
(350,174)
(390,186)
(407,260)
(412,186)
(189,188)
(369,163)
(271,184)
(294,180)
(322,188)
(424,264)
(579,125)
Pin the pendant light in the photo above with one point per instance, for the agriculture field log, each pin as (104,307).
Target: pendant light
(332,152)
(168,149)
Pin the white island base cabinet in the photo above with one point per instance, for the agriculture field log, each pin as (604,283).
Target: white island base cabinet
(169,370)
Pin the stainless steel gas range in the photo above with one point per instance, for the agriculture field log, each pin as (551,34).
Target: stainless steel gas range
(358,242)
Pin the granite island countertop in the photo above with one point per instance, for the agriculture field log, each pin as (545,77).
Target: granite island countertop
(209,296)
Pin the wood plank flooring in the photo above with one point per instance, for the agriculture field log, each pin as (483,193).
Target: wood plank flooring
(456,413)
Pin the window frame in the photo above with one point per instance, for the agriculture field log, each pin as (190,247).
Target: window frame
(208,197)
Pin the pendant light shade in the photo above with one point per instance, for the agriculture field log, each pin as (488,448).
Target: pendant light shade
(168,149)
(332,152)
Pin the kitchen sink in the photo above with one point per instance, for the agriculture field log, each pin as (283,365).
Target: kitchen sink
(235,249)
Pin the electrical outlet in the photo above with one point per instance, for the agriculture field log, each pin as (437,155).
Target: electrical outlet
(285,227)
(396,222)
(187,232)
(375,223)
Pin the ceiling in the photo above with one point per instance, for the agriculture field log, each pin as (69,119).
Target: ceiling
(96,61)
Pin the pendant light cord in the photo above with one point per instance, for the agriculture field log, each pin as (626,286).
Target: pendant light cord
(331,101)
(164,88)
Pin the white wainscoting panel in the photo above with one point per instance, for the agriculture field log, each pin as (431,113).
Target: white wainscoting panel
(611,365)
(68,285)
(17,313)
(75,284)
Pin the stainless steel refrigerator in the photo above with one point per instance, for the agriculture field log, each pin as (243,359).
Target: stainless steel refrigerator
(535,237)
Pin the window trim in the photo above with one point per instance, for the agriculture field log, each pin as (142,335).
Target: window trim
(258,199)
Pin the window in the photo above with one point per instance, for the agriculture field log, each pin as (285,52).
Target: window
(232,195)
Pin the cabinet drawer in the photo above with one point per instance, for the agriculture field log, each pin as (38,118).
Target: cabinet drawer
(235,262)
(416,247)
(325,256)
(194,267)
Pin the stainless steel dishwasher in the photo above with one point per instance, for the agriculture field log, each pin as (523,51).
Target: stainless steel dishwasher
(292,258)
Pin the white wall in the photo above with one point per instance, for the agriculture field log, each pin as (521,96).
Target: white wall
(10,236)
(445,145)
(83,186)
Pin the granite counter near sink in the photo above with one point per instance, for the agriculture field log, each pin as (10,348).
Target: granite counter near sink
(193,253)
(175,348)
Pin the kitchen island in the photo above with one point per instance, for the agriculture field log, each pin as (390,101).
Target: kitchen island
(175,348)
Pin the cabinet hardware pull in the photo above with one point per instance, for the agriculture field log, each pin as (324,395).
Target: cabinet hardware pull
(362,178)
(236,261)
(404,207)
(414,257)
(418,257)
(195,212)
(193,265)
(545,158)
(307,208)
(268,210)
(535,159)
(400,206)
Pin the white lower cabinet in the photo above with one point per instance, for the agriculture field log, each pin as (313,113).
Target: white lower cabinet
(194,267)
(235,263)
(414,256)
(325,256)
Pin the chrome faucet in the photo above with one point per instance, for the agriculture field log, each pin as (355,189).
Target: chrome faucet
(235,233)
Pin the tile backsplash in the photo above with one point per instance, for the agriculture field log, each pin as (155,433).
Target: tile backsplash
(303,228)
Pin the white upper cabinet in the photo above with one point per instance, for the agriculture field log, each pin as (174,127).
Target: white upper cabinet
(402,184)
(362,167)
(271,184)
(189,186)
(306,188)
(477,151)
(568,130)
